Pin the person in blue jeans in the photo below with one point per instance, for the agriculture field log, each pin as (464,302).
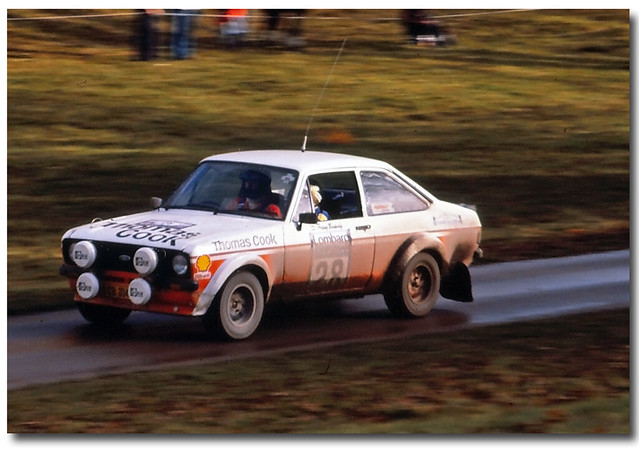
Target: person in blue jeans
(182,43)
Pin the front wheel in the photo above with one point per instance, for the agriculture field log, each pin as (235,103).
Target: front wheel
(237,310)
(415,292)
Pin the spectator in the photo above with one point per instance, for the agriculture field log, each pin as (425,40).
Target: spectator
(182,42)
(147,33)
(290,36)
(233,27)
(423,30)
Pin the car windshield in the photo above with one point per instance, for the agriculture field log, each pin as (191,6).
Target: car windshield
(236,188)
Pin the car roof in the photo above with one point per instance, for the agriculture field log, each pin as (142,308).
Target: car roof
(302,161)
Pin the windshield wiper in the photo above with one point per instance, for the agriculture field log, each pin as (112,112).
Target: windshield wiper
(212,207)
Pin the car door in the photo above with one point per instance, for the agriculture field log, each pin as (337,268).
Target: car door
(334,251)
(395,212)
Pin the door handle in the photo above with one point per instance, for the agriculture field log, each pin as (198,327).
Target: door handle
(363,227)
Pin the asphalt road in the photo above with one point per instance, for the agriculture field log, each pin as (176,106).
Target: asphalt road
(57,346)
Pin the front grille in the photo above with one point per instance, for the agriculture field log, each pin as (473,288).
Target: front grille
(119,257)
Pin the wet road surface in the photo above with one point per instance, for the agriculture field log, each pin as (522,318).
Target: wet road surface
(61,345)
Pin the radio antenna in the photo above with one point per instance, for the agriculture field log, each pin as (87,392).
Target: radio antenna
(319,99)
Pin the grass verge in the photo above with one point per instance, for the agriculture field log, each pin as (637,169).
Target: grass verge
(564,375)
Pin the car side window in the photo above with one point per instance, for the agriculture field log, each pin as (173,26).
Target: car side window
(304,205)
(334,196)
(385,195)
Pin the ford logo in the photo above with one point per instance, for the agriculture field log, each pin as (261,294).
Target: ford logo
(124,258)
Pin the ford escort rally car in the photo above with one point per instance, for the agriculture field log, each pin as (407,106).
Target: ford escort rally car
(251,227)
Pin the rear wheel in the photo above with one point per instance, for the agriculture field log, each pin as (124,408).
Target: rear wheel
(102,315)
(237,310)
(415,292)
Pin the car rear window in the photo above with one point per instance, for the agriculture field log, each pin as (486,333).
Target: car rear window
(386,195)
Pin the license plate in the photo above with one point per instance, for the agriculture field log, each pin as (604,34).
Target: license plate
(116,290)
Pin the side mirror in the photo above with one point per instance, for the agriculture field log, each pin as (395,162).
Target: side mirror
(156,202)
(309,218)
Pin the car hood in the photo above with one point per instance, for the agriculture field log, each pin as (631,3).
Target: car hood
(175,229)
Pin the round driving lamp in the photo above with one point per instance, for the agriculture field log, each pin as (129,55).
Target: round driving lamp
(87,286)
(145,260)
(83,254)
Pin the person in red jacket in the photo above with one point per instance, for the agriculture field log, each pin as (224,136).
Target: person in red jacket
(233,27)
(256,195)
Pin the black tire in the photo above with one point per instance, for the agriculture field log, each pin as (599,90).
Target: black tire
(415,292)
(102,315)
(237,310)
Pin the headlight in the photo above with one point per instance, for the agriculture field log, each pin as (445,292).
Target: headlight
(83,254)
(180,264)
(145,260)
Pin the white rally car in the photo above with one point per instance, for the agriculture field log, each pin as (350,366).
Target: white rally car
(251,227)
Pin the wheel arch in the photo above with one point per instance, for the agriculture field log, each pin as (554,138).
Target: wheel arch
(250,263)
(261,275)
(417,243)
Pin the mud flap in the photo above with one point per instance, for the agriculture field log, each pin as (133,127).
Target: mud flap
(456,284)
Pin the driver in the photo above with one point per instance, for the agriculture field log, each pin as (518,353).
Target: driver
(255,194)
